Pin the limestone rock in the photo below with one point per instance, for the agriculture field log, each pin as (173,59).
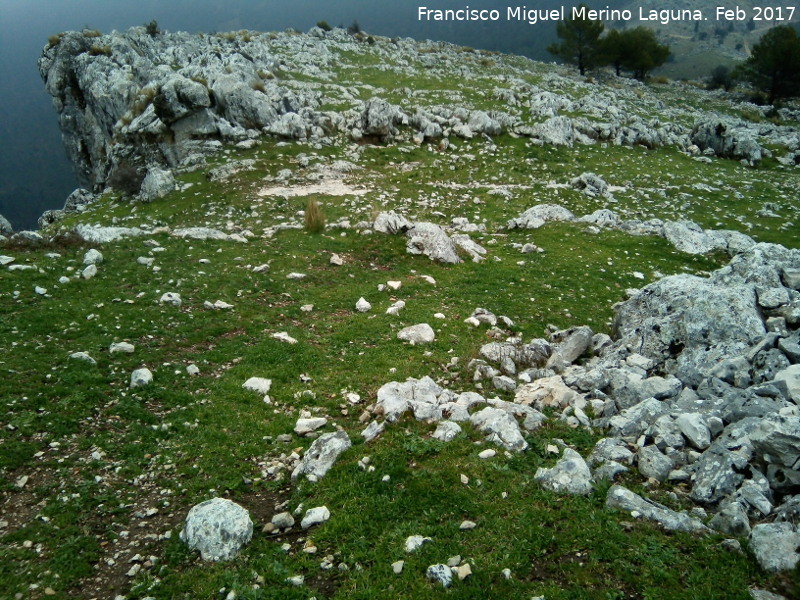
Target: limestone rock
(321,456)
(417,334)
(157,184)
(217,528)
(570,475)
(623,499)
(775,546)
(537,216)
(432,241)
(500,428)
(315,516)
(140,378)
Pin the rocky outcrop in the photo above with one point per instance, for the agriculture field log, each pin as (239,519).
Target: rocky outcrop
(128,101)
(5,226)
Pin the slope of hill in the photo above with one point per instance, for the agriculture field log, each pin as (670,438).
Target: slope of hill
(506,204)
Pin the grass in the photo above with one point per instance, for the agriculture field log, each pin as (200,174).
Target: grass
(98,455)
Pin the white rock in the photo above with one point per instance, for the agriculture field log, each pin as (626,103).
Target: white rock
(89,272)
(92,257)
(488,453)
(6,260)
(123,347)
(363,306)
(394,285)
(296,276)
(397,566)
(315,516)
(467,525)
(40,290)
(415,542)
(440,574)
(417,334)
(172,298)
(305,426)
(84,357)
(258,384)
(282,336)
(218,528)
(218,305)
(336,260)
(193,369)
(140,378)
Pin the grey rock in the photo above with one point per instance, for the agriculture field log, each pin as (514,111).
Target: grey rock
(590,184)
(500,428)
(172,298)
(5,227)
(283,520)
(790,349)
(140,378)
(391,223)
(124,347)
(373,430)
(89,272)
(315,516)
(260,385)
(570,475)
(623,499)
(610,449)
(538,215)
(417,334)
(732,520)
(698,320)
(654,464)
(321,456)
(635,420)
(218,529)
(432,241)
(306,426)
(757,594)
(84,357)
(608,471)
(775,546)
(440,574)
(693,427)
(379,118)
(665,434)
(575,342)
(92,257)
(726,140)
(791,377)
(419,395)
(446,431)
(689,237)
(415,542)
(717,474)
(790,276)
(157,184)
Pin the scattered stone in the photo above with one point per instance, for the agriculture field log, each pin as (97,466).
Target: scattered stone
(193,370)
(259,385)
(282,336)
(315,516)
(440,574)
(488,453)
(463,571)
(373,430)
(417,334)
(140,378)
(321,456)
(306,426)
(363,306)
(397,566)
(467,525)
(124,347)
(89,272)
(500,428)
(83,356)
(218,529)
(92,257)
(218,305)
(415,542)
(172,298)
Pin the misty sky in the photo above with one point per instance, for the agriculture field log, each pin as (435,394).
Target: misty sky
(34,172)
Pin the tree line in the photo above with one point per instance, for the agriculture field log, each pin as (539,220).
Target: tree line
(583,44)
(773,68)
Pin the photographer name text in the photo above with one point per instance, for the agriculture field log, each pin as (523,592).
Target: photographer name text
(533,16)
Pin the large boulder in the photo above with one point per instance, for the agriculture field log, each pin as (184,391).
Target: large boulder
(379,118)
(217,528)
(157,184)
(775,546)
(726,140)
(687,324)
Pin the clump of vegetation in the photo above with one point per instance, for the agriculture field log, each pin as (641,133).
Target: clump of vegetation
(258,86)
(91,33)
(97,50)
(126,178)
(324,26)
(152,28)
(143,100)
(54,40)
(721,78)
(314,217)
(354,28)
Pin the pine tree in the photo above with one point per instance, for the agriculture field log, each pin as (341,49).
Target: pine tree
(580,42)
(774,65)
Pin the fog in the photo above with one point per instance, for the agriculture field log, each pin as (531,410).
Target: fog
(34,172)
